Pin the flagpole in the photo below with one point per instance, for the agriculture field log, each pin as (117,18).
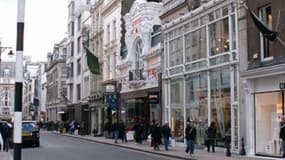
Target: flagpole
(277,37)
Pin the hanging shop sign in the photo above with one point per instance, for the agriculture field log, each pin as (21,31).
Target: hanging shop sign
(153,97)
(282,86)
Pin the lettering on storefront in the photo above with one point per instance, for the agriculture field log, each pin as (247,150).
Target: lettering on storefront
(282,86)
(153,98)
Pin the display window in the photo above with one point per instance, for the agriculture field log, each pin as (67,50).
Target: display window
(268,114)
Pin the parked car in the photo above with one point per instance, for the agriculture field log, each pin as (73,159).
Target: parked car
(30,133)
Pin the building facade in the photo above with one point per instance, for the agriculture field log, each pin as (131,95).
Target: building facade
(7,83)
(78,81)
(200,69)
(262,78)
(96,90)
(140,65)
(56,73)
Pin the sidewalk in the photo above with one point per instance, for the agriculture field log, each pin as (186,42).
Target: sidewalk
(6,155)
(176,152)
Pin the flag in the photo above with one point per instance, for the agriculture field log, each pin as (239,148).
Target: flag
(266,32)
(92,62)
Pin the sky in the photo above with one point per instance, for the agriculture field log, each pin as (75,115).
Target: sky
(45,25)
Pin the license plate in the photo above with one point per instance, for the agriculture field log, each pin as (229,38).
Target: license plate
(27,134)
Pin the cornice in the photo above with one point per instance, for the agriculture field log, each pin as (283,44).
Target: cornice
(263,71)
(109,6)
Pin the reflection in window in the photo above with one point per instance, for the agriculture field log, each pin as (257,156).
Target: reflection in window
(195,45)
(219,37)
(220,102)
(197,103)
(177,115)
(175,51)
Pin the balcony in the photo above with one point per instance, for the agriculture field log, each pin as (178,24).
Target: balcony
(136,78)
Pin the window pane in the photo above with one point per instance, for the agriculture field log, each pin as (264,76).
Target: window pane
(219,37)
(175,51)
(195,45)
(220,102)
(197,103)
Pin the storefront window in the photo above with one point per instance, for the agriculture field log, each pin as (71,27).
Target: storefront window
(177,115)
(268,109)
(175,52)
(197,103)
(221,102)
(195,45)
(219,37)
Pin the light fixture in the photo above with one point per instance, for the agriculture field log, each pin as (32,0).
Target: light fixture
(10,54)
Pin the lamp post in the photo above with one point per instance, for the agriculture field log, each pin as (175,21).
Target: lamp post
(19,81)
(282,89)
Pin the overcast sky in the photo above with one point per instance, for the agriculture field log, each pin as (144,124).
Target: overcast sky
(45,25)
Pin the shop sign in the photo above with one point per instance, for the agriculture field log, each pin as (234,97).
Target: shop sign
(282,86)
(153,97)
(110,88)
(112,101)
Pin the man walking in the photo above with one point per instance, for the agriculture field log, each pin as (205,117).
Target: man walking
(6,136)
(166,132)
(190,137)
(282,136)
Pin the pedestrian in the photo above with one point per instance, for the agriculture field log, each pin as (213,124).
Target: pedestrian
(190,137)
(166,133)
(282,136)
(1,138)
(6,136)
(123,132)
(138,132)
(211,135)
(150,132)
(156,136)
(116,129)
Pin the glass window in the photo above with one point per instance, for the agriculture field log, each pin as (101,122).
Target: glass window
(197,103)
(219,36)
(177,115)
(79,23)
(195,45)
(221,102)
(176,52)
(78,89)
(79,45)
(268,117)
(78,66)
(266,17)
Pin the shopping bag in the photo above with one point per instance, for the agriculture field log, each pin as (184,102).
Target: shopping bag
(171,142)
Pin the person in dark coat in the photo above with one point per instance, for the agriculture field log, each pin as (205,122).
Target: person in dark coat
(116,128)
(190,134)
(6,136)
(123,132)
(138,132)
(211,135)
(166,133)
(156,136)
(282,135)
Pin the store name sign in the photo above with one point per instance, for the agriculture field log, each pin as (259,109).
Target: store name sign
(110,88)
(282,86)
(153,98)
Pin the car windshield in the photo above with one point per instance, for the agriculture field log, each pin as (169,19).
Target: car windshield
(28,126)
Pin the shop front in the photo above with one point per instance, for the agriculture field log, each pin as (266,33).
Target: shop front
(265,108)
(141,107)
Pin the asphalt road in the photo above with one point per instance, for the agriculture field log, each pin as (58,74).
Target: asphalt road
(57,147)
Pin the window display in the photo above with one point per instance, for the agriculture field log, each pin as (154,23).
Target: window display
(268,108)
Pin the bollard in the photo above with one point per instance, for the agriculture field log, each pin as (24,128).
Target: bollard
(242,151)
(228,145)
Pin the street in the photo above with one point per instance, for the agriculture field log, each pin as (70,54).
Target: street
(59,147)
